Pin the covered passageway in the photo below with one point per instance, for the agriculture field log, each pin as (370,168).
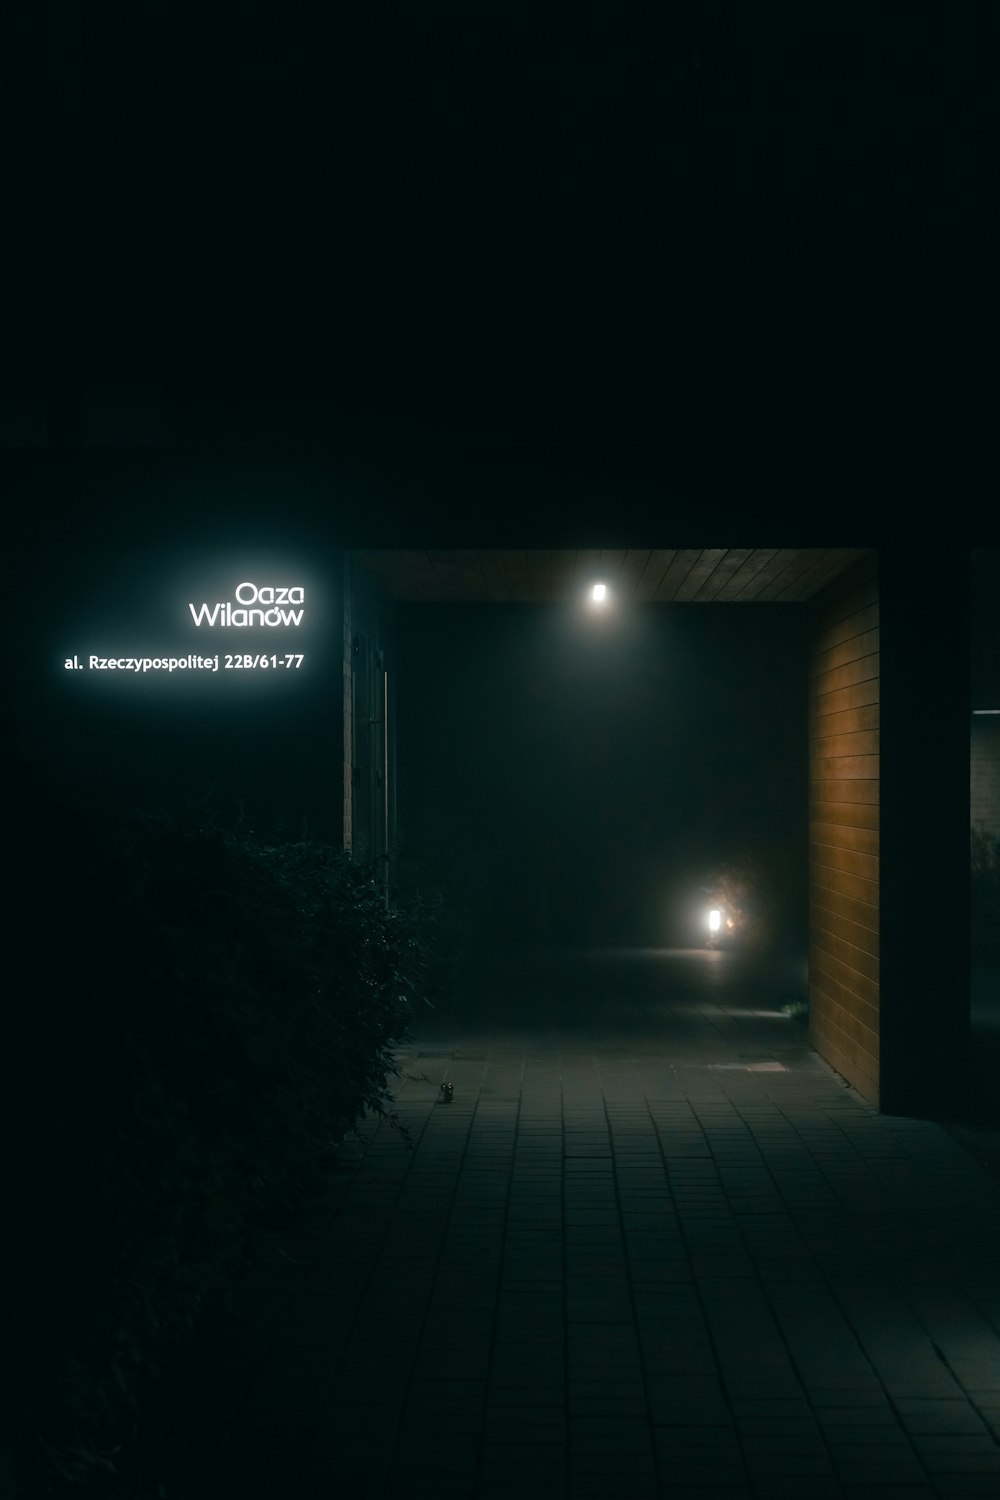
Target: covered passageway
(884,693)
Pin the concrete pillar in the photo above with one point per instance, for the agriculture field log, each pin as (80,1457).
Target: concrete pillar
(924,864)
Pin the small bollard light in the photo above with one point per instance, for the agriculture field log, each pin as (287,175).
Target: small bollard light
(447,1093)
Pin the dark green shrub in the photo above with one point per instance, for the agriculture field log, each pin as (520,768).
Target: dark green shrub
(208,1013)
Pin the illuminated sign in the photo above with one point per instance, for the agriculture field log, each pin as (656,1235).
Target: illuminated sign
(242,615)
(257,606)
(241,662)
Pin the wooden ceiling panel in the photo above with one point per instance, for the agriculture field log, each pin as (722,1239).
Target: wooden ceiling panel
(565,567)
(673,579)
(699,575)
(589,565)
(612,562)
(721,576)
(657,563)
(632,568)
(494,577)
(515,563)
(827,564)
(787,562)
(740,586)
(659,575)
(817,567)
(540,575)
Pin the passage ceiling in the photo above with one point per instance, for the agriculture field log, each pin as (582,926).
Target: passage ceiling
(663,575)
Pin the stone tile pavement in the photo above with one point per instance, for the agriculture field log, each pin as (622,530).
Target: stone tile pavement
(653,1247)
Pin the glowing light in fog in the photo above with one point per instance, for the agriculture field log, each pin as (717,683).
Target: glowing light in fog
(599,593)
(714,921)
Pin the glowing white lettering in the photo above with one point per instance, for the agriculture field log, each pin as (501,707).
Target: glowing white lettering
(242,616)
(202,616)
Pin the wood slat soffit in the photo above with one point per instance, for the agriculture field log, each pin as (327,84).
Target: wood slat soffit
(512,575)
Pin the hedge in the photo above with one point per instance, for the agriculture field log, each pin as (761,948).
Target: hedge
(205,1014)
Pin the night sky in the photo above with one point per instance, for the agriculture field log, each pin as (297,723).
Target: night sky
(768,228)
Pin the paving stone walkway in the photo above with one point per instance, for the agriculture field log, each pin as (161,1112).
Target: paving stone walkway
(653,1247)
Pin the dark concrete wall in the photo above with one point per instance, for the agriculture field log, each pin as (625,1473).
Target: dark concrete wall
(984,784)
(844,828)
(924,866)
(368,685)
